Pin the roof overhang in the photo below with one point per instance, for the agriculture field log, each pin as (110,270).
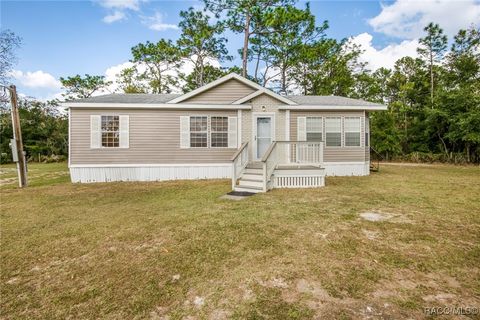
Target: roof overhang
(165,106)
(267,92)
(229,77)
(334,108)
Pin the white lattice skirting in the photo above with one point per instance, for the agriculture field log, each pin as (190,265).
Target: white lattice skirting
(87,174)
(347,168)
(299,181)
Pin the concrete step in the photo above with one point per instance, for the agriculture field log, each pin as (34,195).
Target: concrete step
(254,177)
(253,171)
(248,189)
(250,183)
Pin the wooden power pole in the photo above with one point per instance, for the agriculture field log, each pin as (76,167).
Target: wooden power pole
(17,139)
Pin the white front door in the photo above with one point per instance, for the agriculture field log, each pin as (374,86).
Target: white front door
(264,135)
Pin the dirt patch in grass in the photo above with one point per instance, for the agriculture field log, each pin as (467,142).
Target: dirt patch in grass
(175,250)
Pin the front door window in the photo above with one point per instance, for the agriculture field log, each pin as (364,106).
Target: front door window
(264,135)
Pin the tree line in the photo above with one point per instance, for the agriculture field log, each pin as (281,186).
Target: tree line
(433,100)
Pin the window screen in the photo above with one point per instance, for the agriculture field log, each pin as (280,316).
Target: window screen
(198,132)
(333,131)
(314,128)
(219,134)
(352,131)
(110,131)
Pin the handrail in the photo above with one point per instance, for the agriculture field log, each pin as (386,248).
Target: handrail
(239,151)
(298,141)
(378,158)
(239,162)
(269,151)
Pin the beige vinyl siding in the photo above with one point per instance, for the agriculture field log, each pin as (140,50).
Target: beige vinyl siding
(271,106)
(367,148)
(224,93)
(154,139)
(334,154)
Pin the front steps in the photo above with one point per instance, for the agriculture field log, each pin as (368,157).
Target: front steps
(284,176)
(251,180)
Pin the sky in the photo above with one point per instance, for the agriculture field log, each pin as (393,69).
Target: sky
(65,38)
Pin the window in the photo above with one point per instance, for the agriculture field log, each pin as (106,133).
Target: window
(314,129)
(352,131)
(198,132)
(333,131)
(219,134)
(110,131)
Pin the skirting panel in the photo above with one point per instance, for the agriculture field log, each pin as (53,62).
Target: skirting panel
(347,168)
(150,173)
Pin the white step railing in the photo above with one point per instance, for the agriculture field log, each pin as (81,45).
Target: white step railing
(290,153)
(239,162)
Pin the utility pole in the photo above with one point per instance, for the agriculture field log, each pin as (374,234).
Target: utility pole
(17,139)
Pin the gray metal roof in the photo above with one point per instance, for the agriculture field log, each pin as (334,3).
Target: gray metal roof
(331,101)
(145,98)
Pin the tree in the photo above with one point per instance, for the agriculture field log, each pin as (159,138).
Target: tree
(432,48)
(210,73)
(130,81)
(244,16)
(384,136)
(200,42)
(162,60)
(328,67)
(460,96)
(78,87)
(44,130)
(9,43)
(290,30)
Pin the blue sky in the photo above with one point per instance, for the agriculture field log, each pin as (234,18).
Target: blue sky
(62,38)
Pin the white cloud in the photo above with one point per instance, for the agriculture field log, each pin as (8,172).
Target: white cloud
(121,4)
(407,18)
(385,57)
(115,16)
(118,9)
(36,79)
(156,23)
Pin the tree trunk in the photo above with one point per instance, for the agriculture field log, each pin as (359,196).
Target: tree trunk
(284,80)
(201,73)
(245,45)
(256,67)
(431,78)
(443,143)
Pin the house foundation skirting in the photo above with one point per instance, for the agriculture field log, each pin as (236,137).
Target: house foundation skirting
(107,173)
(347,168)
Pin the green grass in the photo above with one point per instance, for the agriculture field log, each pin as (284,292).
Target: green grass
(115,250)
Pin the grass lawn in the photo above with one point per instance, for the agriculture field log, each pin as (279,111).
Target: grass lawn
(174,249)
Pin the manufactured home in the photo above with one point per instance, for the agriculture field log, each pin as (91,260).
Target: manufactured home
(230,128)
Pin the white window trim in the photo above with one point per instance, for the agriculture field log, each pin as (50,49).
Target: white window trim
(102,131)
(325,131)
(359,132)
(101,147)
(322,127)
(207,131)
(209,125)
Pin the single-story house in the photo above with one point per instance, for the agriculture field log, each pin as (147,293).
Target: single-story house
(229,128)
